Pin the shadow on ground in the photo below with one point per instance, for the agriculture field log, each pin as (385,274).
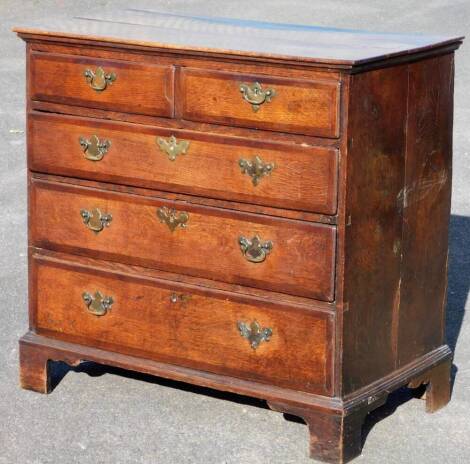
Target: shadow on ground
(458,289)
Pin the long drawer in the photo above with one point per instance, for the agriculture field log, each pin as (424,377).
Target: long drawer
(102,83)
(180,324)
(287,256)
(279,175)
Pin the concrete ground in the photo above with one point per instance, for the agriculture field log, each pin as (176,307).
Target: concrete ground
(101,415)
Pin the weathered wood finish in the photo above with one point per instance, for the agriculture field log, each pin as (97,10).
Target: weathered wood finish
(333,437)
(237,39)
(357,208)
(139,88)
(334,423)
(375,160)
(403,165)
(197,331)
(426,209)
(207,247)
(304,178)
(303,107)
(34,370)
(191,199)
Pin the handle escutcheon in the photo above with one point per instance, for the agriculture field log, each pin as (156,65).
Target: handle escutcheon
(99,80)
(93,148)
(254,333)
(256,168)
(172,147)
(97,304)
(179,298)
(95,220)
(172,218)
(255,250)
(255,95)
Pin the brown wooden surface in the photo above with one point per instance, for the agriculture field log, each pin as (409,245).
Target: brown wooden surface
(375,173)
(438,389)
(225,131)
(341,220)
(34,372)
(301,262)
(379,269)
(138,88)
(234,292)
(199,332)
(201,61)
(236,38)
(426,208)
(191,199)
(73,354)
(397,290)
(303,178)
(334,438)
(438,385)
(312,407)
(304,107)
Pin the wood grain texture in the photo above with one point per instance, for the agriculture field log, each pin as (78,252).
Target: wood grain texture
(357,209)
(375,177)
(200,331)
(304,107)
(314,408)
(334,438)
(244,295)
(34,369)
(303,178)
(334,424)
(184,60)
(236,38)
(73,354)
(226,131)
(438,385)
(406,227)
(301,263)
(191,199)
(426,208)
(138,88)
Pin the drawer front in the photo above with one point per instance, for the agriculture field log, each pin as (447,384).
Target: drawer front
(192,327)
(287,177)
(285,105)
(293,257)
(122,86)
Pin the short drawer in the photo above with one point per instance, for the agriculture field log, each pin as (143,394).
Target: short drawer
(185,325)
(287,256)
(278,175)
(298,106)
(102,83)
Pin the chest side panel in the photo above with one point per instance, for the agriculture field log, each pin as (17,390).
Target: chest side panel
(375,177)
(397,211)
(426,208)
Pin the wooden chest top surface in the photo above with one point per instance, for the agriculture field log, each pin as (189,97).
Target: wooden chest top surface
(238,37)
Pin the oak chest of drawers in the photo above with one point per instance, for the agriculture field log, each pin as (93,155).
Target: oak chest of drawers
(256,208)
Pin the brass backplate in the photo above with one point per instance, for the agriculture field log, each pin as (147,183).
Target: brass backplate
(93,148)
(255,250)
(173,147)
(255,95)
(172,218)
(95,220)
(97,304)
(254,333)
(256,168)
(99,80)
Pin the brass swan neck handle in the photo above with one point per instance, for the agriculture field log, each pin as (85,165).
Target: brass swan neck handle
(255,95)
